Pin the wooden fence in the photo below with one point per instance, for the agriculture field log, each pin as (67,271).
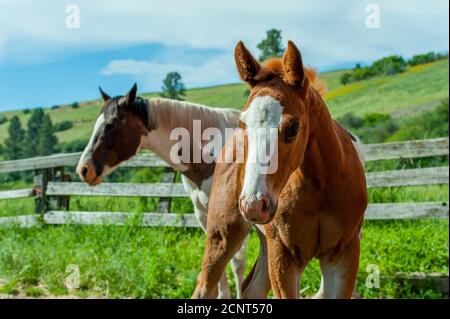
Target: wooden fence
(53,188)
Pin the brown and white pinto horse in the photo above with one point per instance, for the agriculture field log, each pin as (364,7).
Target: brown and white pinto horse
(127,124)
(311,206)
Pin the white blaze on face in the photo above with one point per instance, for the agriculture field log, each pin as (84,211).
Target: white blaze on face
(261,119)
(87,153)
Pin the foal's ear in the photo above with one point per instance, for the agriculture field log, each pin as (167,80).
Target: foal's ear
(131,95)
(246,64)
(105,96)
(294,73)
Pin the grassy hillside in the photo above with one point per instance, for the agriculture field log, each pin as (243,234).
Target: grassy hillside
(416,89)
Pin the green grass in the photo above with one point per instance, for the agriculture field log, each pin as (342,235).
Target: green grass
(164,263)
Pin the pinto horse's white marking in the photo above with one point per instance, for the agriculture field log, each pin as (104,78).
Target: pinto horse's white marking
(261,119)
(87,153)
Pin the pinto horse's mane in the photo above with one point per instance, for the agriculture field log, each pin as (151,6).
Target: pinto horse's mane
(275,66)
(171,114)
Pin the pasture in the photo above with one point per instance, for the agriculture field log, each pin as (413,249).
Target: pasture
(147,262)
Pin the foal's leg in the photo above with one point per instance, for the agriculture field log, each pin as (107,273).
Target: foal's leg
(223,240)
(238,267)
(283,270)
(257,283)
(224,290)
(339,273)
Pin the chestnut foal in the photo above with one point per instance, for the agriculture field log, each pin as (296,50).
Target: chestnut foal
(311,206)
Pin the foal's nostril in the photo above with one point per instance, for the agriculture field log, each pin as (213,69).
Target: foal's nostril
(264,204)
(264,207)
(84,171)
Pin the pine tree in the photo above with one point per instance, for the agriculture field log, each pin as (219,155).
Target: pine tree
(271,46)
(173,87)
(32,136)
(47,142)
(14,143)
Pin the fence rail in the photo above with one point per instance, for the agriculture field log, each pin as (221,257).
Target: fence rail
(372,152)
(53,191)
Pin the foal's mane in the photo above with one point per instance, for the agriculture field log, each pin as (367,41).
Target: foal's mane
(275,66)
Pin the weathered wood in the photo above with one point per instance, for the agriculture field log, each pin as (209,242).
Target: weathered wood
(120,218)
(408,177)
(42,162)
(406,211)
(41,178)
(373,152)
(423,280)
(145,160)
(59,202)
(71,159)
(168,176)
(17,193)
(374,212)
(422,176)
(407,149)
(23,221)
(117,189)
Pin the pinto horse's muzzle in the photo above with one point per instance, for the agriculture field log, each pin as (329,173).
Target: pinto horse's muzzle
(88,173)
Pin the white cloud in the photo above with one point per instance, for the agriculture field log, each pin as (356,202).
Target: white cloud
(216,70)
(330,32)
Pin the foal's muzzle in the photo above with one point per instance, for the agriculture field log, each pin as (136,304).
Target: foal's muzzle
(257,210)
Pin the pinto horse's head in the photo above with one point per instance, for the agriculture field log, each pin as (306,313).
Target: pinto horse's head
(274,118)
(116,137)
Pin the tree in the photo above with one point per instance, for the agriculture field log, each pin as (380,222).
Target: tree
(32,137)
(346,78)
(48,142)
(14,143)
(389,65)
(173,87)
(271,46)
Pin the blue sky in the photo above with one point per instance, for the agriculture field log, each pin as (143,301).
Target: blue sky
(43,63)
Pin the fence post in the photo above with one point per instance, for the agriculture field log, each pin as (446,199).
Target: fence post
(41,178)
(59,202)
(168,176)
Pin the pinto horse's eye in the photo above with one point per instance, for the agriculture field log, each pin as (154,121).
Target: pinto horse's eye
(110,127)
(109,135)
(291,131)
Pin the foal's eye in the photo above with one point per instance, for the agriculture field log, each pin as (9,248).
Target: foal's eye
(291,131)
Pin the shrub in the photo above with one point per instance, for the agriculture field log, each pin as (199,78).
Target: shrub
(351,121)
(74,146)
(388,66)
(74,105)
(346,78)
(3,119)
(428,124)
(55,107)
(62,126)
(371,119)
(425,58)
(26,111)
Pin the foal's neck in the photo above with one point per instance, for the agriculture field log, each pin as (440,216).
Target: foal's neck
(324,152)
